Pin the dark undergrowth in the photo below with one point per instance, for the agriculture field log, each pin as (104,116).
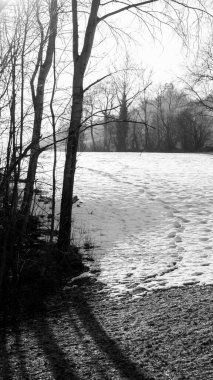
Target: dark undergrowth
(42,271)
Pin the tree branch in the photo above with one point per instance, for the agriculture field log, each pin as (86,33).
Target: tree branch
(117,121)
(97,81)
(204,10)
(126,9)
(100,79)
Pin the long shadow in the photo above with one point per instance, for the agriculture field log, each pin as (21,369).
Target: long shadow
(21,356)
(5,370)
(61,367)
(125,365)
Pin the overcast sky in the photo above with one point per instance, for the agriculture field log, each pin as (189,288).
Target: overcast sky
(165,54)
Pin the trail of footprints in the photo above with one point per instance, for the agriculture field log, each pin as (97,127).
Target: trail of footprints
(175,235)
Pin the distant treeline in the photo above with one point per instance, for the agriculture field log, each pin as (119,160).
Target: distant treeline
(168,122)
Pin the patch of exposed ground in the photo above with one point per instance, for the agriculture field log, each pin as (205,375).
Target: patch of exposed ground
(82,333)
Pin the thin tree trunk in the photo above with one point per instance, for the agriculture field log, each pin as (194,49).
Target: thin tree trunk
(8,259)
(38,103)
(22,93)
(93,139)
(55,152)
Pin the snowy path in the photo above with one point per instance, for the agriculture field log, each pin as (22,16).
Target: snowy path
(151,216)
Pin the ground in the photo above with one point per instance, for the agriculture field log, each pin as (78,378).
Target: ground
(82,333)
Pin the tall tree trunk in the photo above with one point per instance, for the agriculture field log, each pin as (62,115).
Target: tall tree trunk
(70,163)
(80,64)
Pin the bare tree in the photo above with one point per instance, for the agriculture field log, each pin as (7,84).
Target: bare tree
(17,46)
(168,104)
(11,78)
(42,68)
(199,81)
(80,62)
(100,114)
(193,126)
(122,124)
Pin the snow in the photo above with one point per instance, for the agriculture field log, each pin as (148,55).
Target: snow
(150,216)
(81,276)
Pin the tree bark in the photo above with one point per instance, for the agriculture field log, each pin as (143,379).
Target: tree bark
(80,64)
(70,162)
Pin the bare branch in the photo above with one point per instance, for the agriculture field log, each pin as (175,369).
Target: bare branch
(191,7)
(117,121)
(126,9)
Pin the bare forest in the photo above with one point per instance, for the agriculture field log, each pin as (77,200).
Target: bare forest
(65,87)
(46,57)
(70,82)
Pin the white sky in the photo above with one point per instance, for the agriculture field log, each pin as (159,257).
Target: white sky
(166,58)
(164,54)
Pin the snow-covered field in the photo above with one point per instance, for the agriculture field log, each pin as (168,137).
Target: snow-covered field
(150,216)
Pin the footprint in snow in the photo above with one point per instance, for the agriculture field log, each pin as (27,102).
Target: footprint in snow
(177,225)
(172,234)
(185,220)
